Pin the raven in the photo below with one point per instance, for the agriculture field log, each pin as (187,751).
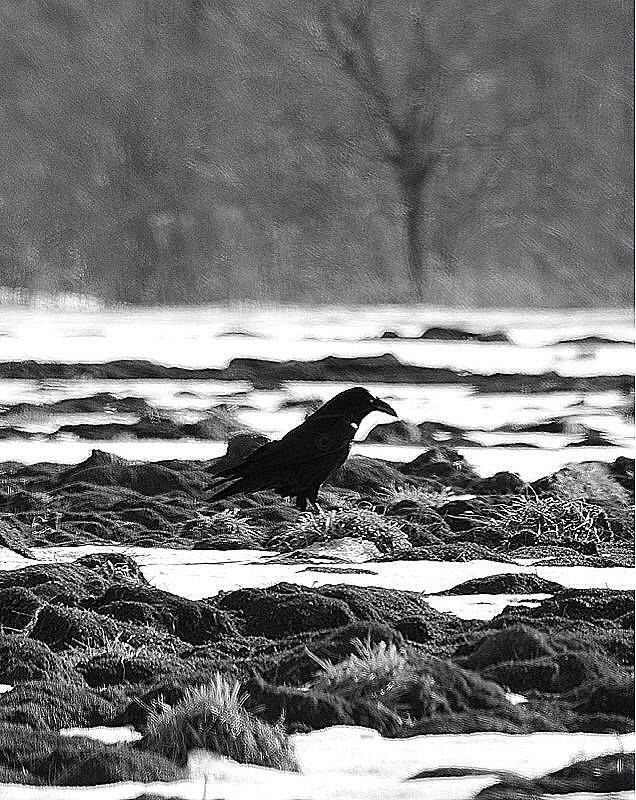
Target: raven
(297,464)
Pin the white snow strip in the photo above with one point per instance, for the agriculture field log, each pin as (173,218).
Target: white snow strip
(104,734)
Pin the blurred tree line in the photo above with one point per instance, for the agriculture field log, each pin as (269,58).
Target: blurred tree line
(184,151)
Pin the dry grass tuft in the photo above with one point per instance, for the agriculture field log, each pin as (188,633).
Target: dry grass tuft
(213,717)
(381,673)
(229,522)
(552,521)
(357,523)
(113,646)
(430,499)
(589,482)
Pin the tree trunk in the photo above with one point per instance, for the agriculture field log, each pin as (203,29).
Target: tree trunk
(415,252)
(444,252)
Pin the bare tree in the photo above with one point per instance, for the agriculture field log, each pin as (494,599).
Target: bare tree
(405,123)
(442,118)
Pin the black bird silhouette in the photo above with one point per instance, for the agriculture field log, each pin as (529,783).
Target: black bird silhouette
(297,464)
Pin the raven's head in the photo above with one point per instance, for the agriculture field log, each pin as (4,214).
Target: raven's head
(354,404)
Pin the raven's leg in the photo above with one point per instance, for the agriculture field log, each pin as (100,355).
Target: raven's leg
(313,499)
(301,502)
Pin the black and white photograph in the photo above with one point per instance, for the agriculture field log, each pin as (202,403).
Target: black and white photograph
(317,373)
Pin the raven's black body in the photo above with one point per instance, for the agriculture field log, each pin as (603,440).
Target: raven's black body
(297,464)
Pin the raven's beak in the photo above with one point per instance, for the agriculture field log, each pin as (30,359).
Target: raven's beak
(385,408)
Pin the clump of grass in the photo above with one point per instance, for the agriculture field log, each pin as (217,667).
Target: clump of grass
(552,521)
(428,498)
(357,523)
(213,717)
(593,484)
(371,671)
(228,526)
(112,646)
(381,673)
(589,482)
(223,523)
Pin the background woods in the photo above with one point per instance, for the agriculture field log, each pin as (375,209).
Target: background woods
(169,151)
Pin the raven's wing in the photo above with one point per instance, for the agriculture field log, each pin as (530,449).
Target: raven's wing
(303,458)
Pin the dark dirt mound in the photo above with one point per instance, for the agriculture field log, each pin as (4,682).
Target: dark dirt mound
(96,403)
(367,475)
(192,621)
(217,424)
(35,757)
(593,438)
(106,469)
(230,541)
(594,340)
(518,643)
(14,433)
(47,581)
(460,335)
(372,603)
(143,667)
(610,773)
(465,551)
(153,427)
(603,775)
(18,609)
(53,704)
(23,659)
(294,661)
(574,672)
(305,711)
(285,609)
(119,763)
(12,537)
(444,465)
(61,627)
(398,432)
(239,447)
(587,604)
(501,483)
(559,673)
(608,696)
(568,425)
(361,369)
(425,434)
(590,477)
(506,583)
